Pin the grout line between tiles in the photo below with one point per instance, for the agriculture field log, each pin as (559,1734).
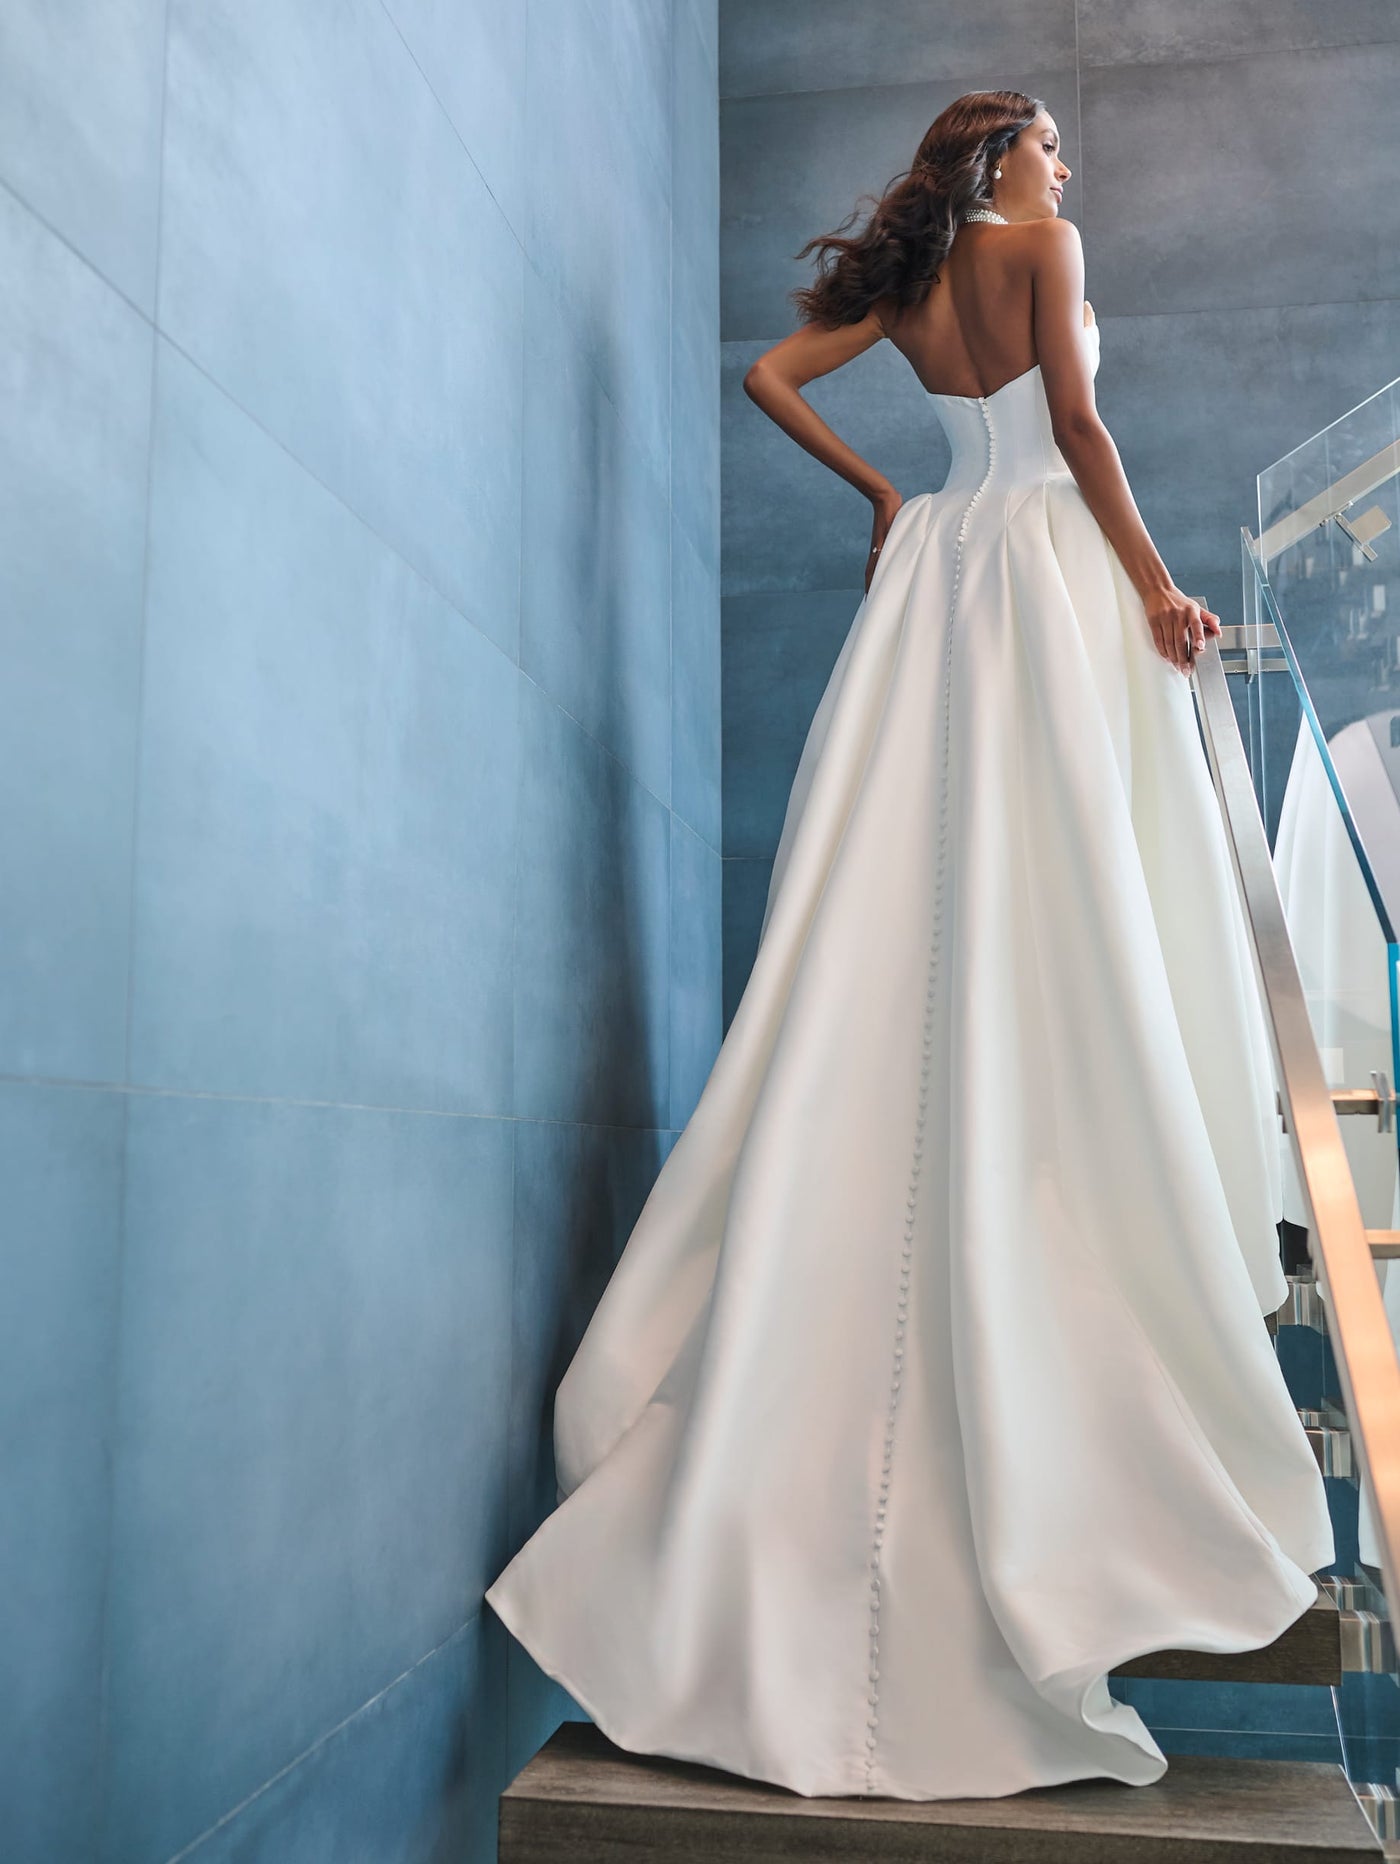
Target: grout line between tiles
(113,1435)
(1186,310)
(320,1741)
(131,1093)
(1175,62)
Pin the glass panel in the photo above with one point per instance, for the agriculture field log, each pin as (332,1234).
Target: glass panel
(1329,551)
(1345,962)
(1270,709)
(1325,753)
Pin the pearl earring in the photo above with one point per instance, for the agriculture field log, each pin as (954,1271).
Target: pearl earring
(996,174)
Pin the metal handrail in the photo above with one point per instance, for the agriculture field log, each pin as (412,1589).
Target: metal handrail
(1365,1352)
(1362,480)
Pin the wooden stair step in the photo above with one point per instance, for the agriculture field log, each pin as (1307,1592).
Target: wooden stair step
(1310,1651)
(582,1800)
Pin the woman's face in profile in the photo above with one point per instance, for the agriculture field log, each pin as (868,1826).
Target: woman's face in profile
(1032,174)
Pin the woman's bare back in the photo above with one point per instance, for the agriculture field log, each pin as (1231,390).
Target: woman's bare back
(974,332)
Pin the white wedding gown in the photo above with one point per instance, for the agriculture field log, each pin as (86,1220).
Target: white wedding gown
(933,1381)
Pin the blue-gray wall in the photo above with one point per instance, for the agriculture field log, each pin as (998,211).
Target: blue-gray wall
(1233,172)
(359,869)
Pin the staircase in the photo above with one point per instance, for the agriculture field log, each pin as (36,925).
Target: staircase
(583,1799)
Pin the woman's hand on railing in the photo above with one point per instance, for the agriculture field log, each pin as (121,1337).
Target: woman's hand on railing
(1179,624)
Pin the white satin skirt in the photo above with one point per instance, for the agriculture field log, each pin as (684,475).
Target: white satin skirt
(933,1381)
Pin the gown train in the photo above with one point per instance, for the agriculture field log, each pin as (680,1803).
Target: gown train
(932,1382)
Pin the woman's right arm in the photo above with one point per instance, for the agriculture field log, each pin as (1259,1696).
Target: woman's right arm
(1088,447)
(775,381)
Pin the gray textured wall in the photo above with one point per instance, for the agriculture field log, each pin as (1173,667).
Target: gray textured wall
(1234,180)
(359,870)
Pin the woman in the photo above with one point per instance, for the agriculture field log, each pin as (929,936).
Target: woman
(932,1383)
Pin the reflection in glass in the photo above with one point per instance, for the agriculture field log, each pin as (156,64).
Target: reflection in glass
(1325,752)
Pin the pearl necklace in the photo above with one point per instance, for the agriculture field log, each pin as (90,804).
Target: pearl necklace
(986,213)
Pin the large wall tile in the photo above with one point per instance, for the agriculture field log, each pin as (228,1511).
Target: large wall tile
(695,292)
(80,102)
(391,367)
(411,1778)
(706,13)
(794,167)
(592,969)
(311,1482)
(599,132)
(778,654)
(75,391)
(474,59)
(324,885)
(578,1193)
(697,967)
(695,689)
(1199,404)
(695,404)
(1291,1708)
(695,170)
(745,896)
(537,1705)
(595,623)
(1277,194)
(579,1190)
(61,1167)
(1140,32)
(273,789)
(818,45)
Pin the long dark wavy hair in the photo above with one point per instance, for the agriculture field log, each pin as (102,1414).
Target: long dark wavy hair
(898,252)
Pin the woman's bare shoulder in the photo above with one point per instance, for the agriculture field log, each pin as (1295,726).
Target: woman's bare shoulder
(1051,234)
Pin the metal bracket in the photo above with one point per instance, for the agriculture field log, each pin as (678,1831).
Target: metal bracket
(1361,530)
(1330,1436)
(1249,648)
(1379,1098)
(1385,1101)
(1303,1308)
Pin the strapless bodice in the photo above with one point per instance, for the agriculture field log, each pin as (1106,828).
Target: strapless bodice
(1005,437)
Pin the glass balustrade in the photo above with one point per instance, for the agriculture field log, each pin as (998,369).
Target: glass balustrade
(1319,713)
